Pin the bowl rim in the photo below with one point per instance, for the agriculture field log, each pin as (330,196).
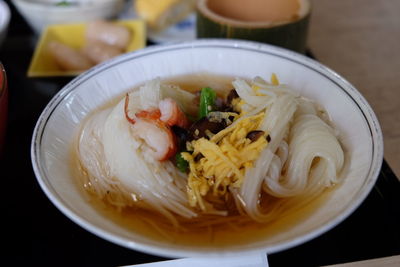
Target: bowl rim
(366,110)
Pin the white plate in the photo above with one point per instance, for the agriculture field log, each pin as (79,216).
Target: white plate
(351,114)
(182,31)
(179,32)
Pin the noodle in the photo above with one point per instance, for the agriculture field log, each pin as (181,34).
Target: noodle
(236,181)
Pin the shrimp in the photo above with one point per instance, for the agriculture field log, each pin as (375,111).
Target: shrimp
(158,137)
(171,114)
(152,114)
(127,111)
(153,126)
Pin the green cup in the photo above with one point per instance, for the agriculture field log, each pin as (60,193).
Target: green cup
(290,33)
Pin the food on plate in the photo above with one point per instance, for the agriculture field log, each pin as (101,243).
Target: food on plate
(98,52)
(103,41)
(159,15)
(68,58)
(208,160)
(108,33)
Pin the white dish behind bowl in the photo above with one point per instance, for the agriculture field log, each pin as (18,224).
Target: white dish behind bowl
(40,14)
(351,114)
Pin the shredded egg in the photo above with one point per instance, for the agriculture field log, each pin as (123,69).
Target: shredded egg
(223,159)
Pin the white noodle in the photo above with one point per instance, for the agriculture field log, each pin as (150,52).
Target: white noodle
(302,158)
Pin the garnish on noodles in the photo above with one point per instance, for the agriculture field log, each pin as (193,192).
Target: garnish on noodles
(242,153)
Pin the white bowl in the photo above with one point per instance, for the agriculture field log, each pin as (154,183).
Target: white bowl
(39,14)
(4,20)
(351,114)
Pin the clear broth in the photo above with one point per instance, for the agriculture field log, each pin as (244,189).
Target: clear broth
(234,230)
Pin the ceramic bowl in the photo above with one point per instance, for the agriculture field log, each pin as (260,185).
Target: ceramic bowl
(352,116)
(39,14)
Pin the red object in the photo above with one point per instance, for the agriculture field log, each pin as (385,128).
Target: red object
(126,108)
(175,116)
(152,114)
(3,106)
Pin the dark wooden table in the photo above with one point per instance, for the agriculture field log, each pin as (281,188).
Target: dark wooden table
(35,233)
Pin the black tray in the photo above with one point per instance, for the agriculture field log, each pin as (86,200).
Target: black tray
(38,234)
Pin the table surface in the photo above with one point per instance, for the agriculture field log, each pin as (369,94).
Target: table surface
(360,40)
(36,233)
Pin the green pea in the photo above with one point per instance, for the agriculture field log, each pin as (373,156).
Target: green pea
(207,101)
(181,163)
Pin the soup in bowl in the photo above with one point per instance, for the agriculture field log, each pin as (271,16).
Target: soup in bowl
(208,147)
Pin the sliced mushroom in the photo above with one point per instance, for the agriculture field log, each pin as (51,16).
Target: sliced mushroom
(200,128)
(232,95)
(254,135)
(182,136)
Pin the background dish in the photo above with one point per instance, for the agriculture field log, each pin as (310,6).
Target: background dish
(353,117)
(39,14)
(73,35)
(181,31)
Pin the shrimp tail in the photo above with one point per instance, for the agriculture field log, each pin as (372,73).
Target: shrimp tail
(126,109)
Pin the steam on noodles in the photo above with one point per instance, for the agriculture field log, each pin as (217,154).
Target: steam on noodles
(261,147)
